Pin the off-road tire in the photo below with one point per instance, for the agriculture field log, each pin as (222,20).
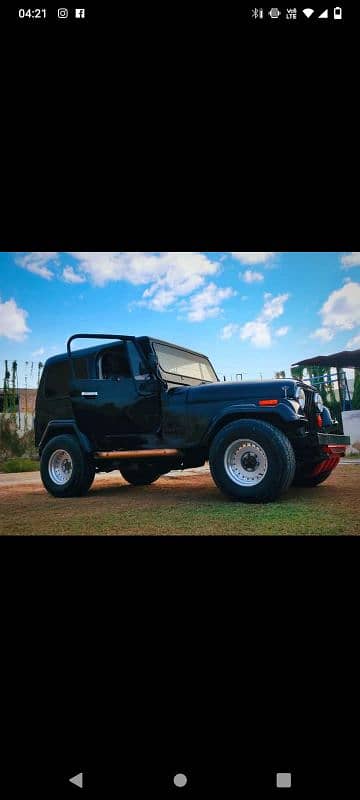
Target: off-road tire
(280,460)
(83,470)
(306,481)
(140,474)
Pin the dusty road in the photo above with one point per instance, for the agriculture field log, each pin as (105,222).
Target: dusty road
(179,503)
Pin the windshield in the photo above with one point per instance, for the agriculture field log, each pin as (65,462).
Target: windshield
(175,361)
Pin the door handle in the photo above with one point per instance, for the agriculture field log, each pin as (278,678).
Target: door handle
(89,394)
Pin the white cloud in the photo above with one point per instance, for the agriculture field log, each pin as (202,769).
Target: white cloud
(13,321)
(273,306)
(170,275)
(37,263)
(206,303)
(258,332)
(351,260)
(229,330)
(70,276)
(249,276)
(171,269)
(324,334)
(253,258)
(39,352)
(342,308)
(355,342)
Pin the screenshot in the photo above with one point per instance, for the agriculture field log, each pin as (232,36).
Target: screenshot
(210,378)
(179,412)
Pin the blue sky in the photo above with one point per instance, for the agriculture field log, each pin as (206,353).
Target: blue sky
(250,312)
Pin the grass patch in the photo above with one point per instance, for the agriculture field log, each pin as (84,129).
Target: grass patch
(190,506)
(292,516)
(19,465)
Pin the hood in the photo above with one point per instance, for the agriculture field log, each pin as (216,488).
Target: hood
(242,390)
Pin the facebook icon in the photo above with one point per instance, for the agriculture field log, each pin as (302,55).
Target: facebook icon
(79,13)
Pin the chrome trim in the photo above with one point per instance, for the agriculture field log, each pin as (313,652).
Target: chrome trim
(245,462)
(60,467)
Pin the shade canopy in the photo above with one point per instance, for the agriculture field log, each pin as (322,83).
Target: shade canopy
(346,358)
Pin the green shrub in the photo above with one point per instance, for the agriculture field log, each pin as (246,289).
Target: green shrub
(28,443)
(13,445)
(19,465)
(10,441)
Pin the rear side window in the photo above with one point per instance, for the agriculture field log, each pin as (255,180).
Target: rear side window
(57,379)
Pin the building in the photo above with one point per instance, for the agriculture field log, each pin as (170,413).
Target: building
(25,401)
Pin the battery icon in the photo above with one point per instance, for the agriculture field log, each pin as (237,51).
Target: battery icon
(337,12)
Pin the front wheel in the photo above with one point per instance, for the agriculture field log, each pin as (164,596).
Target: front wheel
(252,461)
(64,467)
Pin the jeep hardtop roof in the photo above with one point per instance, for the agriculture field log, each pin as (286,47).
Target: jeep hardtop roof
(92,351)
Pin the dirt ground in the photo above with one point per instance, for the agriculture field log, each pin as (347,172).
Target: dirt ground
(179,503)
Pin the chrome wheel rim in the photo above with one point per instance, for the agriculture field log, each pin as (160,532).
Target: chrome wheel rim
(245,462)
(60,467)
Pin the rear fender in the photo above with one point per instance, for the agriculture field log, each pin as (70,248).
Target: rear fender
(59,426)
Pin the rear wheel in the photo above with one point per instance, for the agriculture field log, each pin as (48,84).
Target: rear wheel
(140,474)
(64,467)
(252,461)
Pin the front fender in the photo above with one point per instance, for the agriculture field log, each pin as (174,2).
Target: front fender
(284,411)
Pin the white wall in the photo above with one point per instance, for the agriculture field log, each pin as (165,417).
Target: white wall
(351,423)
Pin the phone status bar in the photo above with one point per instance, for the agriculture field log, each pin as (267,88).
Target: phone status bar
(334,14)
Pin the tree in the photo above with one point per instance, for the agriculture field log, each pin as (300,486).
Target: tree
(297,373)
(356,396)
(280,374)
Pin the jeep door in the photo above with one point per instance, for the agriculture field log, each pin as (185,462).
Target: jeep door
(116,404)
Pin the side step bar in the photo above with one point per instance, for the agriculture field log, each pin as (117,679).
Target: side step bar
(137,453)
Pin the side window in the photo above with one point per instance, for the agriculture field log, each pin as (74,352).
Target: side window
(57,380)
(137,362)
(114,364)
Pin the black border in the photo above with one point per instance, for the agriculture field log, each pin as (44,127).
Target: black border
(200,643)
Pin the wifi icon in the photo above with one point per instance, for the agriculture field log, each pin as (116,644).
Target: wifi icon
(308,12)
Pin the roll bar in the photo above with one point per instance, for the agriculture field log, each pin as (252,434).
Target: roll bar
(95,336)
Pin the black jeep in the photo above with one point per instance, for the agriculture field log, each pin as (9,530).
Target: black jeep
(145,407)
